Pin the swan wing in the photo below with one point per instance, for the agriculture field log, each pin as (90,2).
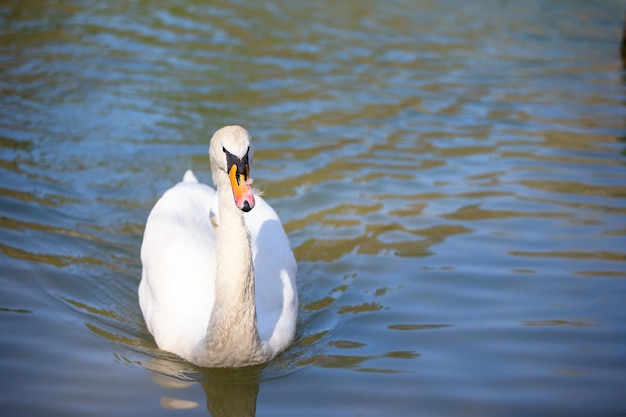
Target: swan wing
(176,291)
(275,272)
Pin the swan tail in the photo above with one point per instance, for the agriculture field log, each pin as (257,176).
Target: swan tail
(189,176)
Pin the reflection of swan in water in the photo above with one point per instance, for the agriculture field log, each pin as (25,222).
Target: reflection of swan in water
(232,394)
(229,392)
(218,286)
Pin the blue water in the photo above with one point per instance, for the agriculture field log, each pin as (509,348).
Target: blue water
(452,179)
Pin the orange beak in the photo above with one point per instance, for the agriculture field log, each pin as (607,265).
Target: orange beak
(244,197)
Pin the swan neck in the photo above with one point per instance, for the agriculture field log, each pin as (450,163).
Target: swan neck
(232,330)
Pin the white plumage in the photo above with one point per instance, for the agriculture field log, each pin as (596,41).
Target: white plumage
(218,285)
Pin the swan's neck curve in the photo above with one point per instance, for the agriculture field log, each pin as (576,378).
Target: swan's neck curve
(232,335)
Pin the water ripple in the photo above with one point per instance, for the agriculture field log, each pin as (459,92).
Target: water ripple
(453,169)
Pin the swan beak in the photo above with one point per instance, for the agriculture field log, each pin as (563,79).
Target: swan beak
(242,191)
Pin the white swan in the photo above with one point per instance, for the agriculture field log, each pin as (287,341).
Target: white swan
(218,286)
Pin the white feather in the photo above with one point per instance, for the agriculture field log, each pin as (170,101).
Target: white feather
(178,285)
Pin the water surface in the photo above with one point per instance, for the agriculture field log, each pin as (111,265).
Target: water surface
(452,179)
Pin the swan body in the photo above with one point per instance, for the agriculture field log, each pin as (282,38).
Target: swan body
(218,284)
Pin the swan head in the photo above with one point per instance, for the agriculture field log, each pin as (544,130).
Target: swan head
(231,152)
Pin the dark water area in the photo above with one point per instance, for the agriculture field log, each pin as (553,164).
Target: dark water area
(451,176)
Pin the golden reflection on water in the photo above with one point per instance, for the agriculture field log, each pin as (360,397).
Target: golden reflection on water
(370,243)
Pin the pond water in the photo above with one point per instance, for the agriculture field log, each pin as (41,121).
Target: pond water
(452,178)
